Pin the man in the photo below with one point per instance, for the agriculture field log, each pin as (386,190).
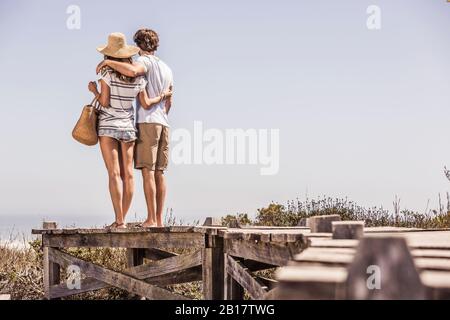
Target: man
(152,148)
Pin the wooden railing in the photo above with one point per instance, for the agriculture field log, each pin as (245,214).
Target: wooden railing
(324,260)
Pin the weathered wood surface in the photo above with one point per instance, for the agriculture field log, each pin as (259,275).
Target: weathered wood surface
(311,283)
(126,240)
(52,271)
(91,284)
(250,248)
(439,240)
(408,273)
(167,265)
(113,278)
(213,268)
(347,229)
(322,223)
(264,235)
(389,260)
(130,229)
(275,253)
(242,275)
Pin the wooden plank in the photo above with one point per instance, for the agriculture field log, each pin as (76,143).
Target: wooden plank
(167,265)
(91,284)
(437,280)
(277,254)
(232,289)
(157,254)
(390,229)
(256,265)
(432,264)
(241,274)
(132,228)
(306,283)
(421,253)
(86,285)
(181,228)
(267,282)
(284,236)
(329,243)
(114,278)
(324,257)
(182,276)
(129,240)
(209,230)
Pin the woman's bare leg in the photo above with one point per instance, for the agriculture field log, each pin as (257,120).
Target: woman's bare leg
(126,172)
(110,152)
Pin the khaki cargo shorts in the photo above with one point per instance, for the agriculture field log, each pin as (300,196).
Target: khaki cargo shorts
(152,147)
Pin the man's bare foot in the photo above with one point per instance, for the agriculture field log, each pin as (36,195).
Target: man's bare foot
(148,224)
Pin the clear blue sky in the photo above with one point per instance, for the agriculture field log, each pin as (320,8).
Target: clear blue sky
(361,113)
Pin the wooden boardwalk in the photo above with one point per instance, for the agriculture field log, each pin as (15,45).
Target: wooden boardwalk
(326,260)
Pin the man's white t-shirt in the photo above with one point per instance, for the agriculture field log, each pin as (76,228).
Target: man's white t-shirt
(159,79)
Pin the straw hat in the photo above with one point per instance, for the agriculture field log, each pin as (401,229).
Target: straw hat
(117,47)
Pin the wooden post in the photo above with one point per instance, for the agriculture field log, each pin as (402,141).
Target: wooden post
(383,269)
(135,257)
(212,222)
(52,274)
(348,229)
(232,289)
(322,223)
(213,266)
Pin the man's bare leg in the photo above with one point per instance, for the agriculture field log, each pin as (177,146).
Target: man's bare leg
(148,177)
(160,195)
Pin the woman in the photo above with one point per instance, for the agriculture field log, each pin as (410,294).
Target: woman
(116,128)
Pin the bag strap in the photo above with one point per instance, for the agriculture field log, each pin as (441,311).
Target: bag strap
(95,104)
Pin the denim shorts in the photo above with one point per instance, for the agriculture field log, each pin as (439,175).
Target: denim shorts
(121,135)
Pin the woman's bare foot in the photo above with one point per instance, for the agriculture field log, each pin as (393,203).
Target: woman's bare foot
(116,225)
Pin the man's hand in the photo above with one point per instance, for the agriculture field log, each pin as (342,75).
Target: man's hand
(100,66)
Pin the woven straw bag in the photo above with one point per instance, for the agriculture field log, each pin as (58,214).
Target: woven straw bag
(85,130)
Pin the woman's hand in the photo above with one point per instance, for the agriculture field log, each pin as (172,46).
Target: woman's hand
(167,94)
(92,87)
(100,66)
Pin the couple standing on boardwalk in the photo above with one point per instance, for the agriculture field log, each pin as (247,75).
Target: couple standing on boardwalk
(149,81)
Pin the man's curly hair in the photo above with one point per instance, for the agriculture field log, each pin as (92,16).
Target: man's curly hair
(146,39)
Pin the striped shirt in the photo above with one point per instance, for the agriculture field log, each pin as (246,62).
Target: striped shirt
(120,113)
